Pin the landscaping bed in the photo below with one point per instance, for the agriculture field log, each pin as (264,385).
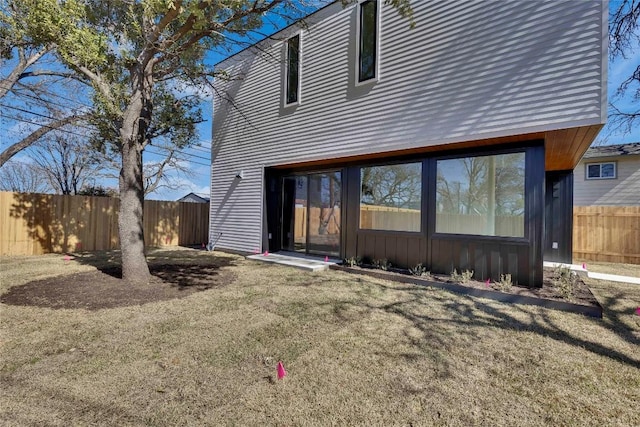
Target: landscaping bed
(580,300)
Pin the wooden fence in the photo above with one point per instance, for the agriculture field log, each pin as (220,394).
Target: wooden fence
(32,224)
(607,233)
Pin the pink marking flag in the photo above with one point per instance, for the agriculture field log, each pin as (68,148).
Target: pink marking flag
(326,259)
(638,311)
(487,283)
(203,246)
(67,258)
(256,251)
(584,265)
(266,253)
(281,371)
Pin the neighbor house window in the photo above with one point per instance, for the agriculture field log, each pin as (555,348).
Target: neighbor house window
(481,195)
(368,33)
(292,81)
(601,170)
(390,197)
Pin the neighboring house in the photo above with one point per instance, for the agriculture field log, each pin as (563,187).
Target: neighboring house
(193,198)
(608,175)
(451,144)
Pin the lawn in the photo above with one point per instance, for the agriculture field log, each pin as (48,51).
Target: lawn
(358,351)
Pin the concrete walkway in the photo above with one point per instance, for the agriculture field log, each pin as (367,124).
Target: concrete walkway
(292,259)
(593,275)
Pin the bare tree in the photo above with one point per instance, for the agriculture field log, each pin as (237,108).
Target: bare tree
(624,40)
(66,161)
(21,177)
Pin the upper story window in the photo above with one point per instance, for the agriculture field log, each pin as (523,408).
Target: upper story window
(368,36)
(292,78)
(601,170)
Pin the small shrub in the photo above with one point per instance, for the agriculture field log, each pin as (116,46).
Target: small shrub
(462,277)
(420,271)
(352,261)
(504,284)
(382,264)
(564,281)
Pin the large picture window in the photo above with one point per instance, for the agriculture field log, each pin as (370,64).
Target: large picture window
(292,87)
(390,197)
(481,195)
(367,67)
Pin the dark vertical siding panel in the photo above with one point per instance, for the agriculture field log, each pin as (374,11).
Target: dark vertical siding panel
(391,249)
(558,220)
(380,247)
(534,193)
(413,257)
(424,257)
(351,202)
(402,251)
(480,262)
(496,264)
(463,250)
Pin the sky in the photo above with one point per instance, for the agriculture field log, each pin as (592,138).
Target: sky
(197,158)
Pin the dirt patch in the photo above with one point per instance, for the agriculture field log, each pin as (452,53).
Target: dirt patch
(104,288)
(580,293)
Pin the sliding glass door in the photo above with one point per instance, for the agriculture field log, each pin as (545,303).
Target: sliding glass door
(311,213)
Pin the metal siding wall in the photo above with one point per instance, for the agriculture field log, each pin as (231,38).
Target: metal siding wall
(469,70)
(622,191)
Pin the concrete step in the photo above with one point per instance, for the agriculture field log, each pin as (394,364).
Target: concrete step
(304,262)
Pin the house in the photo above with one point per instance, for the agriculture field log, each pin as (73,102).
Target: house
(608,175)
(451,144)
(193,198)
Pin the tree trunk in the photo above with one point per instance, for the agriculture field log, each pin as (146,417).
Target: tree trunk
(130,216)
(130,220)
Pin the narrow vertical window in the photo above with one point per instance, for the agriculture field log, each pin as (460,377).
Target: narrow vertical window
(367,40)
(292,89)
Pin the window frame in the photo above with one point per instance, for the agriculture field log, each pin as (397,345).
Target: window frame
(376,74)
(285,85)
(600,164)
(423,196)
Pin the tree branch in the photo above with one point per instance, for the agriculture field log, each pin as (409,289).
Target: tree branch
(36,135)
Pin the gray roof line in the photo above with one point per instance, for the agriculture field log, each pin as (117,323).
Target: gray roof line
(630,149)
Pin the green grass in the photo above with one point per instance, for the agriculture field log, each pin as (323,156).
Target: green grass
(358,351)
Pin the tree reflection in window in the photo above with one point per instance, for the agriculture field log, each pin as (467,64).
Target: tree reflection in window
(391,197)
(481,195)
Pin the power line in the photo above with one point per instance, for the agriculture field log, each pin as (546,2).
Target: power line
(48,92)
(177,158)
(181,152)
(77,134)
(18,94)
(84,136)
(18,119)
(41,115)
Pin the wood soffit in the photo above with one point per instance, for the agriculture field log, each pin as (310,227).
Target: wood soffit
(563,149)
